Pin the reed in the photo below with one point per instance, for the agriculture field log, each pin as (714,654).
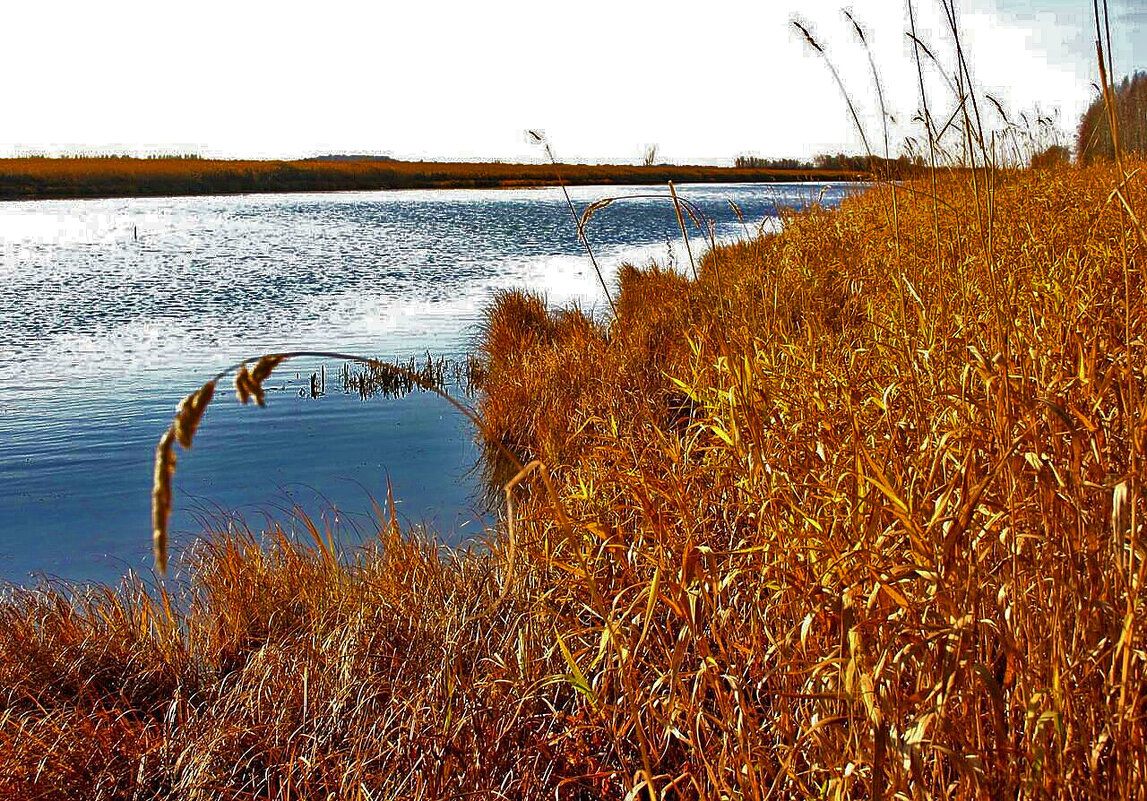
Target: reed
(856,564)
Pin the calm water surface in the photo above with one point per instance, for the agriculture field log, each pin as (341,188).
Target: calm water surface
(112,310)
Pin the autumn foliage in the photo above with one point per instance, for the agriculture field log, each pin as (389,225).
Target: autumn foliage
(857,513)
(1093,139)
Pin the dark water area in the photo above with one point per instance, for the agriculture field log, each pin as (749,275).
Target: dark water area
(112,310)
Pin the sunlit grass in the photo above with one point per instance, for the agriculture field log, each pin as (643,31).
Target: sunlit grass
(856,513)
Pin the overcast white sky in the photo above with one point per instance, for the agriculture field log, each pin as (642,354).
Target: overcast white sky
(603,78)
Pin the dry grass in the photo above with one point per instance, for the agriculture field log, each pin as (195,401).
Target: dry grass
(129,177)
(893,550)
(858,514)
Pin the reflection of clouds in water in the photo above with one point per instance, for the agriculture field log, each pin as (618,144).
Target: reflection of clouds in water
(137,344)
(562,280)
(452,313)
(412,319)
(435,316)
(44,225)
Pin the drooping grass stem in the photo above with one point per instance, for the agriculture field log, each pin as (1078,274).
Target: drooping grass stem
(573,212)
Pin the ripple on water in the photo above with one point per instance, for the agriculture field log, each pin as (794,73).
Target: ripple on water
(112,310)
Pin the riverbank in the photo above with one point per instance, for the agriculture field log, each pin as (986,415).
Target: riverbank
(59,178)
(854,512)
(88,297)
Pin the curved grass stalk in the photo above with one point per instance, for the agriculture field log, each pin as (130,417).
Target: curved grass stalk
(248,386)
(539,138)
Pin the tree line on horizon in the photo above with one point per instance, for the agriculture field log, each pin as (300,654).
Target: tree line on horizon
(1093,139)
(831,161)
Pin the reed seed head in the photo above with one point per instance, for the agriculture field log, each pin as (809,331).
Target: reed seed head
(161,497)
(190,412)
(243,384)
(264,366)
(250,384)
(808,37)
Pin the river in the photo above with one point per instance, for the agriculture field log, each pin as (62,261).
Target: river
(112,310)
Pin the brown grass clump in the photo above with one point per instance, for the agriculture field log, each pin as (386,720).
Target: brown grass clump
(857,513)
(541,360)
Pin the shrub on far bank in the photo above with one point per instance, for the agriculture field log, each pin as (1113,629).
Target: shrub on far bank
(1051,158)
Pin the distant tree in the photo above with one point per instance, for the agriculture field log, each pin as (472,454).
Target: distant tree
(650,157)
(840,161)
(1093,140)
(1051,157)
(758,163)
(348,157)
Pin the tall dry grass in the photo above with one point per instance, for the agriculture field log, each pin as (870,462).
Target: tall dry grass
(856,513)
(895,547)
(853,511)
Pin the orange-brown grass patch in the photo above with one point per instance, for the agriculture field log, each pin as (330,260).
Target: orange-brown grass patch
(39,177)
(891,551)
(540,362)
(855,514)
(284,673)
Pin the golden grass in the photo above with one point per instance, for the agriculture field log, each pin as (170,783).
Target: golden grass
(857,513)
(883,550)
(127,177)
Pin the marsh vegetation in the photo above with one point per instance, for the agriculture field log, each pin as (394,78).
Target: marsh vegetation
(80,177)
(854,510)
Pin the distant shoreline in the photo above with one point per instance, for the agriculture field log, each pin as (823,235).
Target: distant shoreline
(40,178)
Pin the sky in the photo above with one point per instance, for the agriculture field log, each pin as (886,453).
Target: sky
(604,79)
